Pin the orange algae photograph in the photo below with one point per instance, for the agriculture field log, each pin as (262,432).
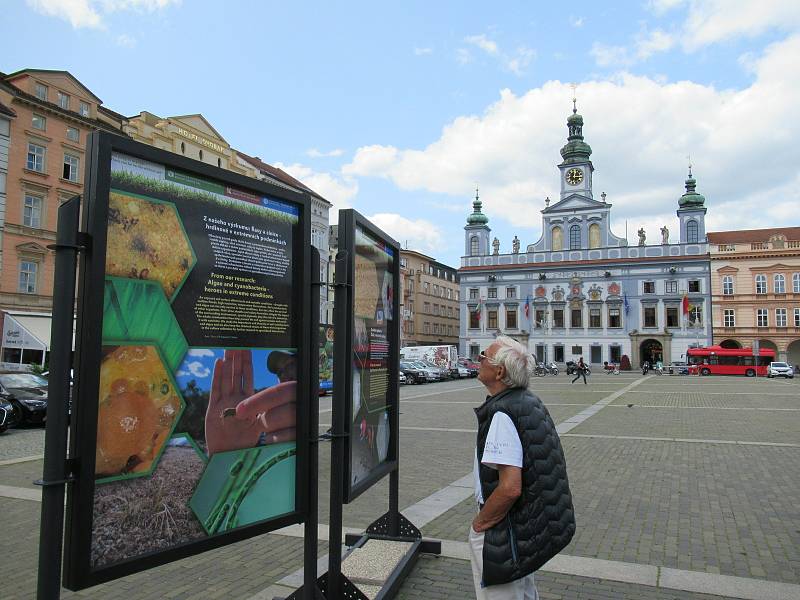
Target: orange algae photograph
(146,241)
(139,406)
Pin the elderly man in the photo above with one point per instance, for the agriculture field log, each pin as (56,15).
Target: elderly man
(526,515)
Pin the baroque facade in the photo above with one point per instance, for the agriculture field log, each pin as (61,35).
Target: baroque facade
(580,290)
(755,282)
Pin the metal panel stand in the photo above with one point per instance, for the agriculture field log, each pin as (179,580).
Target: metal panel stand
(57,472)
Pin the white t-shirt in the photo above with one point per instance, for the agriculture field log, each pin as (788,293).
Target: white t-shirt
(503,447)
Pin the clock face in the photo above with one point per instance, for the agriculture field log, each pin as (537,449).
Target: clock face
(574,176)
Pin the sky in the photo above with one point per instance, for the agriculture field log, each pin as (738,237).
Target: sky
(400,110)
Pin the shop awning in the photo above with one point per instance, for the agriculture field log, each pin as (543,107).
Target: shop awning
(28,331)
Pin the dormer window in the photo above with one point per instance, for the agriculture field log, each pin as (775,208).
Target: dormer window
(63,100)
(40,91)
(84,109)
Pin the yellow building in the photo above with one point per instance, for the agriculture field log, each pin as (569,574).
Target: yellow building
(755,283)
(430,308)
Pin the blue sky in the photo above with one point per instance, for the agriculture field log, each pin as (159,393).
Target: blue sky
(400,109)
(198,364)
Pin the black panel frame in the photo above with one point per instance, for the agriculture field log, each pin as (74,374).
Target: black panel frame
(77,571)
(349,220)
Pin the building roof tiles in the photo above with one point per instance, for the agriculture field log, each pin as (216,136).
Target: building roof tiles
(753,235)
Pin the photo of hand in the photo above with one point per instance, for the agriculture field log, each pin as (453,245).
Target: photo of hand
(239,417)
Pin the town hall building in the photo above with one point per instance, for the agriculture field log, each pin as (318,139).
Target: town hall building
(580,290)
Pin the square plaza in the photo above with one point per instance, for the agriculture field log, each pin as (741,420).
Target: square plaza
(684,487)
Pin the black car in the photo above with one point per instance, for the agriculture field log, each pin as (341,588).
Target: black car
(27,395)
(8,416)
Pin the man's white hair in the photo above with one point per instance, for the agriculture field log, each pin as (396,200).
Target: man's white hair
(519,364)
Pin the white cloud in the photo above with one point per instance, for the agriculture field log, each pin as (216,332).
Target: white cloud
(198,369)
(89,13)
(520,61)
(610,56)
(314,153)
(515,63)
(79,13)
(422,51)
(482,42)
(712,21)
(645,44)
(126,41)
(337,189)
(576,21)
(417,234)
(463,56)
(651,42)
(641,130)
(199,352)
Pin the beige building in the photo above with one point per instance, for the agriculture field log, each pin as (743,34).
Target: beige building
(45,117)
(189,135)
(429,301)
(755,283)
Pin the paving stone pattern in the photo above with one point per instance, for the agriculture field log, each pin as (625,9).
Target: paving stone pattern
(703,507)
(437,578)
(748,426)
(236,571)
(19,443)
(713,508)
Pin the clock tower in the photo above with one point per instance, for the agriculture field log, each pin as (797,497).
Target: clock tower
(576,168)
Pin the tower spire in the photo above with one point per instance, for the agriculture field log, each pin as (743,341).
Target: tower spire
(574,99)
(477,217)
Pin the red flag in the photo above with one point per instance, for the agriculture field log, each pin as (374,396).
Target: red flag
(527,307)
(685,304)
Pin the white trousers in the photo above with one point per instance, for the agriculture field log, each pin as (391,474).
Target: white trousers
(521,589)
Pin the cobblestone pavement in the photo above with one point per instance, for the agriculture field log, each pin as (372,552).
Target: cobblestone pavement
(437,578)
(703,507)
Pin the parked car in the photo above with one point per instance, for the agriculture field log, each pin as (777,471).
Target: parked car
(401,378)
(443,371)
(8,416)
(470,365)
(678,367)
(416,374)
(433,370)
(780,369)
(463,372)
(27,395)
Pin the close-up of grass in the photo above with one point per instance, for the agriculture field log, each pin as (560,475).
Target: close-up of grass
(166,190)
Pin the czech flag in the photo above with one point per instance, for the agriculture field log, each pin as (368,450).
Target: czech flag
(528,307)
(685,304)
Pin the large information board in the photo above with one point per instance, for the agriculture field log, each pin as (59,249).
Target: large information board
(367,353)
(189,425)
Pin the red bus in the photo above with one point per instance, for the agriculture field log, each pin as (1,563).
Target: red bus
(716,360)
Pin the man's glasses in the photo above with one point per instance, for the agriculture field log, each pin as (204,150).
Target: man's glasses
(482,356)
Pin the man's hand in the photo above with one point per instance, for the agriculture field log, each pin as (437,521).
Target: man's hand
(231,383)
(500,500)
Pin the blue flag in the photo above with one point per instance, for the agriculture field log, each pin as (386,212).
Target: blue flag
(625,303)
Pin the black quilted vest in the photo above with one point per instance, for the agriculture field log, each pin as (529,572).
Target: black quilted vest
(542,521)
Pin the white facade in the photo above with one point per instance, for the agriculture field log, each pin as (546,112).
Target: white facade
(580,290)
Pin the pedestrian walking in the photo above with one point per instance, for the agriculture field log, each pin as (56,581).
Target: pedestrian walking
(525,512)
(580,370)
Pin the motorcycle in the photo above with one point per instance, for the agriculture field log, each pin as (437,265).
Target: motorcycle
(552,368)
(540,370)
